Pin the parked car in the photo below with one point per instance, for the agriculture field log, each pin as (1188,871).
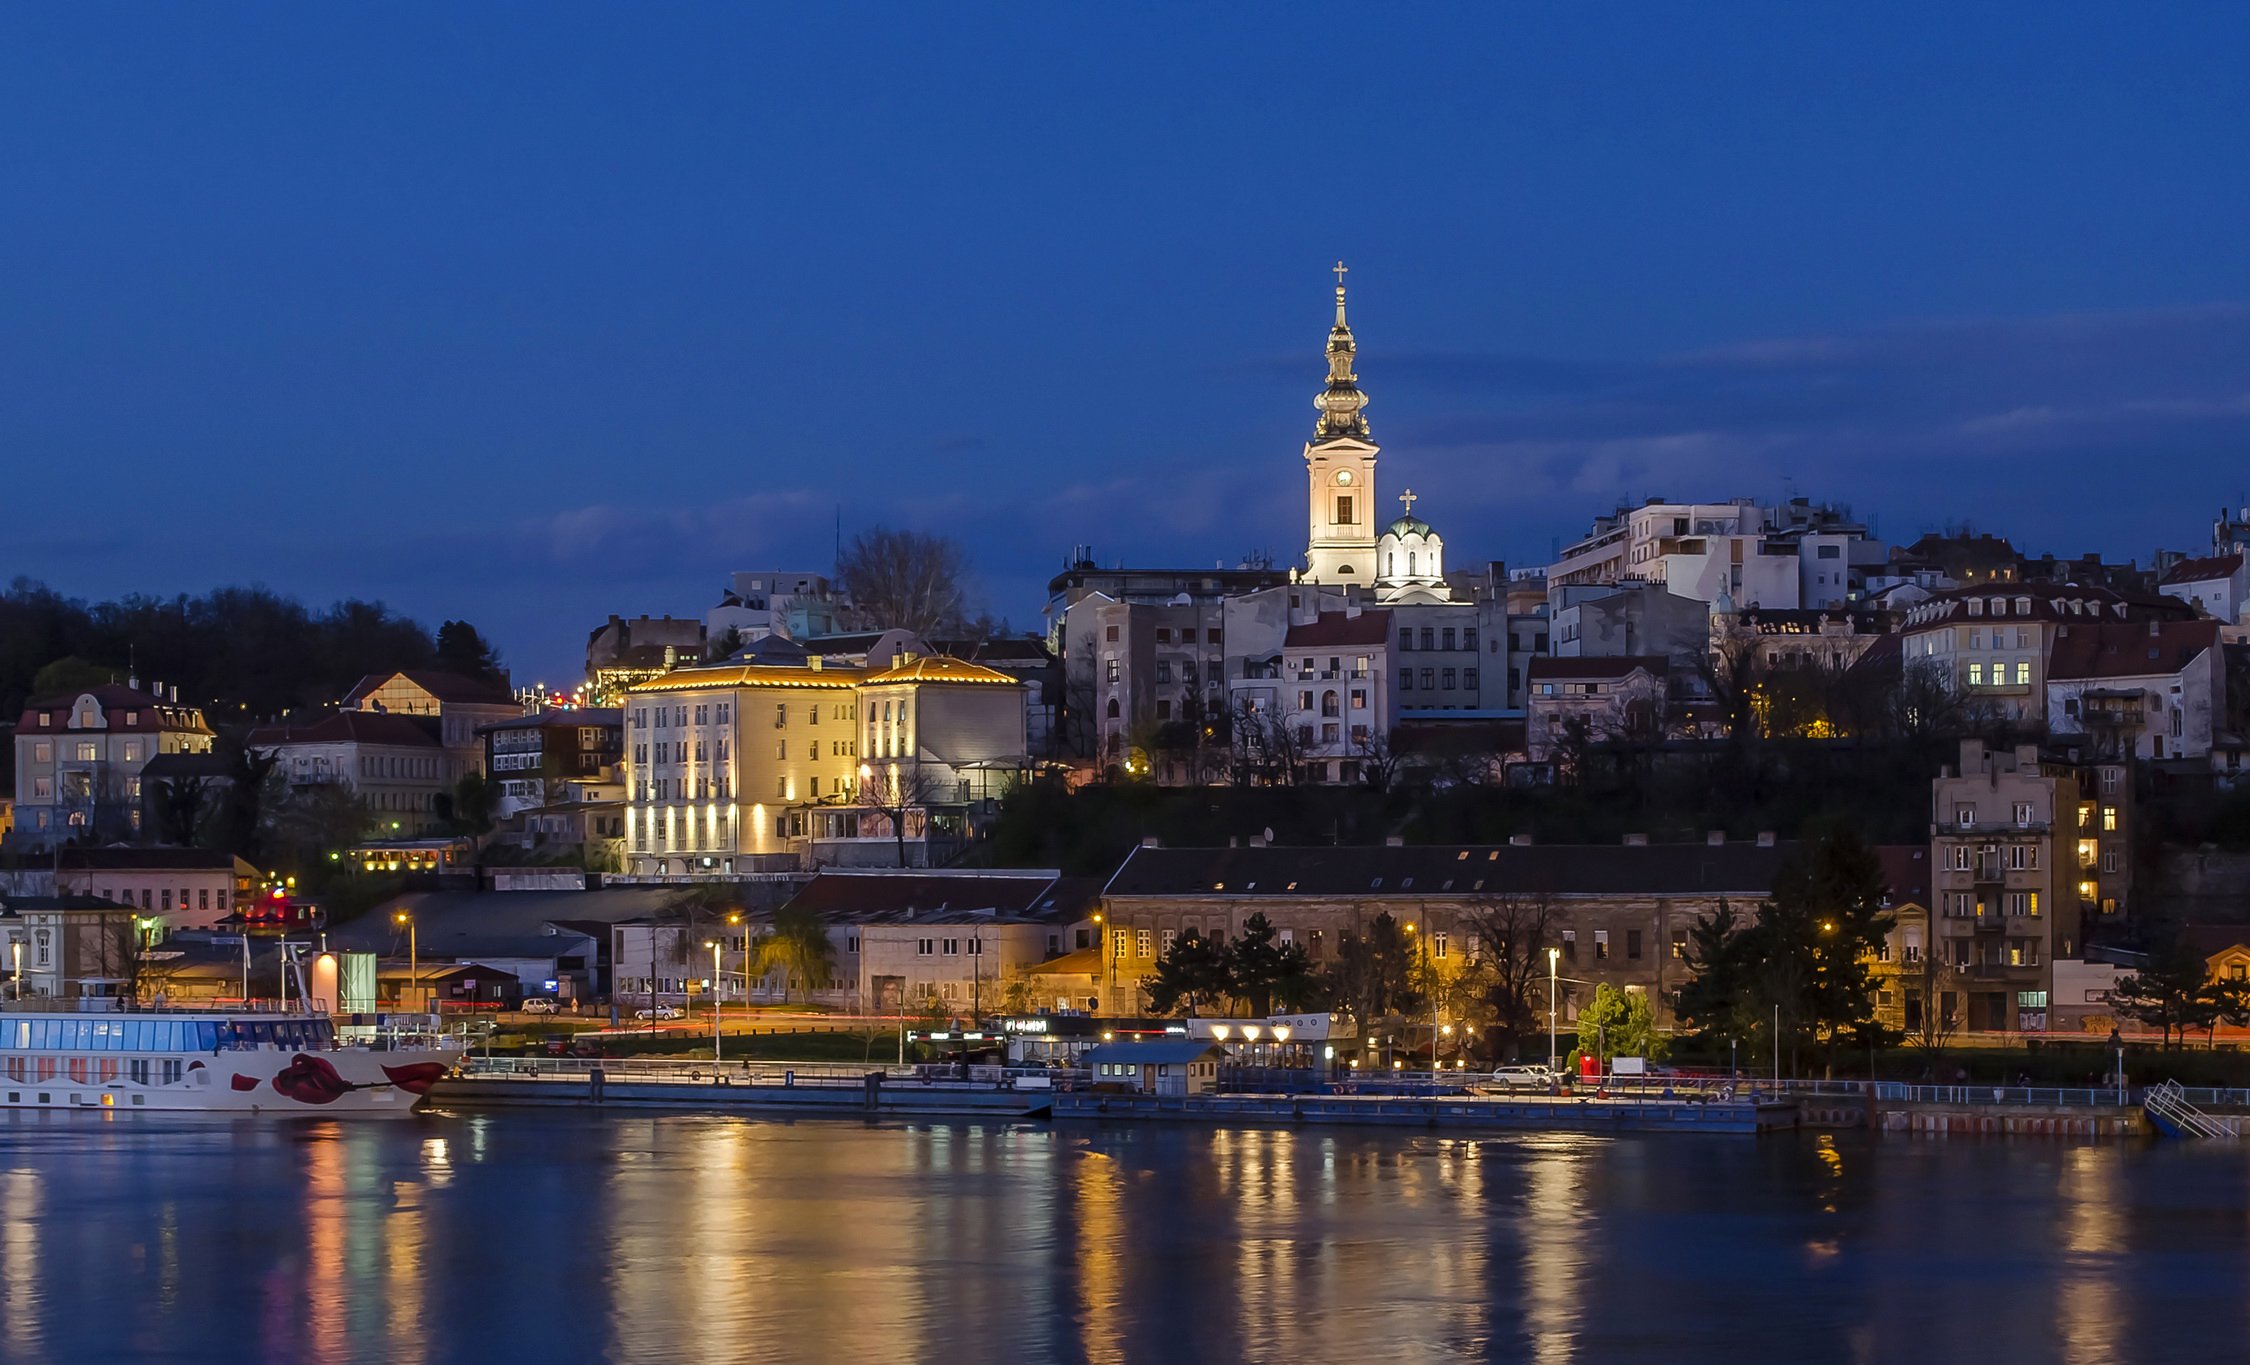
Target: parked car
(541,1004)
(1535,1077)
(658,1012)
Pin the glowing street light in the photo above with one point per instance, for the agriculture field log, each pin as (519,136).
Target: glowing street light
(1553,956)
(413,950)
(713,945)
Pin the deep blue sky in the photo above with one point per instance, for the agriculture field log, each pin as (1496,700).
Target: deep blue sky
(533,313)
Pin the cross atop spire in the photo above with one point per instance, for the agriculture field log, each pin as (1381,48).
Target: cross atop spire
(1341,402)
(1408,498)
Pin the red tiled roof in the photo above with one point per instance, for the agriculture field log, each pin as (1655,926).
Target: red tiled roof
(1336,629)
(2206,569)
(439,684)
(2084,652)
(150,713)
(1604,668)
(349,727)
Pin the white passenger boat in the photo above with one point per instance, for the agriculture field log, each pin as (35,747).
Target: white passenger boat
(209,1060)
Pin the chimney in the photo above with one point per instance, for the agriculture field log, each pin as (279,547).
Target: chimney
(1233,842)
(1394,841)
(175,692)
(1715,838)
(1151,842)
(1519,840)
(1765,838)
(1636,841)
(1257,841)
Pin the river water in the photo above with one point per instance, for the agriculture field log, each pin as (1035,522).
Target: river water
(529,1238)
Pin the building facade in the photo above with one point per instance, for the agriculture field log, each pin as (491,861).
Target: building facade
(2008,897)
(79,759)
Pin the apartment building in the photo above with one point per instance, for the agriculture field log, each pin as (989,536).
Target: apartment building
(393,764)
(79,759)
(2008,897)
(534,759)
(1993,642)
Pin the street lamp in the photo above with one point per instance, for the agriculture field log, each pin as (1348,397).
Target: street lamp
(1554,955)
(413,952)
(713,945)
(2116,1040)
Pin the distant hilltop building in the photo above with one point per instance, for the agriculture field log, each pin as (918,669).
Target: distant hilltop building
(761,603)
(1256,673)
(628,650)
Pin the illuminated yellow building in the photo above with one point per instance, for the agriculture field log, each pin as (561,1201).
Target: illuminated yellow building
(725,761)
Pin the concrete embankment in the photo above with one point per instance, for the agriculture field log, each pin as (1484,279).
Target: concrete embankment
(890,1099)
(1969,1117)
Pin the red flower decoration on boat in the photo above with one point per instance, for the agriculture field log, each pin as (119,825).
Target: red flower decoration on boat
(311,1080)
(415,1078)
(243,1082)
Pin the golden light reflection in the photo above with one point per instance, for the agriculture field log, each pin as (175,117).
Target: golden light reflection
(1556,1218)
(2089,1312)
(19,1262)
(327,1215)
(1099,1207)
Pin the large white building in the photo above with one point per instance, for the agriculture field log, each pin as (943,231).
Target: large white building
(1796,555)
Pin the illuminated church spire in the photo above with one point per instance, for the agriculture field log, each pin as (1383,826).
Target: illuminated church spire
(1341,404)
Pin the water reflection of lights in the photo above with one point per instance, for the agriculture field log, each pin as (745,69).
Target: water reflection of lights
(19,1262)
(1557,1222)
(2088,1310)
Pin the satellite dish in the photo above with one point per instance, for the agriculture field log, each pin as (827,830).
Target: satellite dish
(1269,834)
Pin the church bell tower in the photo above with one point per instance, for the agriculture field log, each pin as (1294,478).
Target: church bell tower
(1340,468)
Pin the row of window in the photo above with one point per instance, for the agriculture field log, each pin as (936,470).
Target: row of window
(89,751)
(948,947)
(1433,679)
(163,1035)
(1964,905)
(203,897)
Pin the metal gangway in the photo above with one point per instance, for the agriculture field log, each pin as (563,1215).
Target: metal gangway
(2168,1108)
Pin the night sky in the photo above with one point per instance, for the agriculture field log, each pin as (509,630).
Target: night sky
(534,313)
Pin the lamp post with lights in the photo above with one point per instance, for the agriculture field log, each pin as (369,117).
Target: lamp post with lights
(713,945)
(413,952)
(1554,955)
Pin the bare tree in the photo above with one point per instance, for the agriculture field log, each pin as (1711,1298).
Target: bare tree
(899,792)
(909,580)
(1508,956)
(1378,760)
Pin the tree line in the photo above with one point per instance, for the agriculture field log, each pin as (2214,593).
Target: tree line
(257,652)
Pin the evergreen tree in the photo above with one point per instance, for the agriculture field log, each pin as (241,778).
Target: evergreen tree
(2173,992)
(1190,975)
(461,649)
